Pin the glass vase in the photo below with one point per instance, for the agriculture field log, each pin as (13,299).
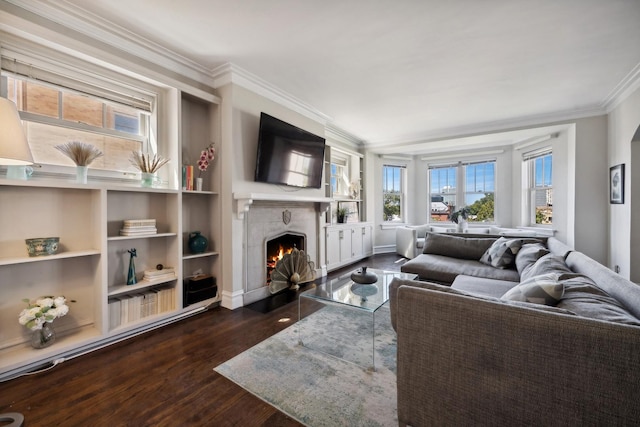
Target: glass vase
(44,337)
(81,174)
(148,179)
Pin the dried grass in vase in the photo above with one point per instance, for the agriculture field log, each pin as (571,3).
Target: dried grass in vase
(82,154)
(145,163)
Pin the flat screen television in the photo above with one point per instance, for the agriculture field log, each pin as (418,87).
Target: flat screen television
(288,155)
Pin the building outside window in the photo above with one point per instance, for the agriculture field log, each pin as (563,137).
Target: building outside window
(454,186)
(539,202)
(57,109)
(393,193)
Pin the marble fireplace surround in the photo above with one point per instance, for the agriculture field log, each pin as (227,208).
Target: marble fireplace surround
(264,218)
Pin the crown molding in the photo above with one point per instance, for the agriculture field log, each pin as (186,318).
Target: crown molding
(60,17)
(331,131)
(489,127)
(231,73)
(629,84)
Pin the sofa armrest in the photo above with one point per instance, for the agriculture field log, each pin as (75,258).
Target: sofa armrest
(465,360)
(406,239)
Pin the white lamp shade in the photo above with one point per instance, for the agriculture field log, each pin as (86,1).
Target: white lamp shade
(14,148)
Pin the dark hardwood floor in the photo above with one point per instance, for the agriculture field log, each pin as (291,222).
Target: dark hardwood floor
(164,377)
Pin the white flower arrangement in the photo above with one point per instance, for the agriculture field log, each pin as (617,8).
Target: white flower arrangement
(45,309)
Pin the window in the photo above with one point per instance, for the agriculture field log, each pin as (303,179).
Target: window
(339,176)
(539,166)
(470,184)
(393,193)
(56,108)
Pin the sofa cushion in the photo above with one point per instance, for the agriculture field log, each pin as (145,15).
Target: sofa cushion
(529,254)
(482,286)
(444,269)
(549,263)
(457,247)
(545,289)
(583,297)
(502,253)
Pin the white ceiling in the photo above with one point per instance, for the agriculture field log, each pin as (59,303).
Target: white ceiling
(392,72)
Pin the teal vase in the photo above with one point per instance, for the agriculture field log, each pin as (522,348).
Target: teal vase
(197,243)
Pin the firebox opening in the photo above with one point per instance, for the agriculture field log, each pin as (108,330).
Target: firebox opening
(279,246)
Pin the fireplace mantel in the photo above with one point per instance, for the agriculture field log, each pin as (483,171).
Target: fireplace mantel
(245,200)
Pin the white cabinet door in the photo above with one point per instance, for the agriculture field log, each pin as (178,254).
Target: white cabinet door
(333,247)
(367,240)
(356,241)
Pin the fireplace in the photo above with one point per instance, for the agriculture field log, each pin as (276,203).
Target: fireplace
(278,246)
(269,225)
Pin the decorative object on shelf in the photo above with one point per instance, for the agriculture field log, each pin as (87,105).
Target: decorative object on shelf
(148,166)
(197,242)
(341,214)
(38,317)
(19,172)
(206,157)
(14,147)
(131,274)
(162,273)
(354,189)
(82,155)
(363,277)
(460,217)
(293,269)
(138,227)
(42,246)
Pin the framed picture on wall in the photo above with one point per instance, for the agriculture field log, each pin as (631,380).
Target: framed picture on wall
(616,184)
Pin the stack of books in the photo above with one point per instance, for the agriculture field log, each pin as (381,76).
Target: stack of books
(167,273)
(138,227)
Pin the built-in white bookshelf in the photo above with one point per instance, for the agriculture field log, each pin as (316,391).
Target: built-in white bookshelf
(91,266)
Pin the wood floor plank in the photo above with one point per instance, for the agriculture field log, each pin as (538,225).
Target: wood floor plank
(164,377)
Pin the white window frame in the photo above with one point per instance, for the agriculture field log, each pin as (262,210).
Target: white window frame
(460,190)
(62,72)
(528,160)
(342,162)
(403,193)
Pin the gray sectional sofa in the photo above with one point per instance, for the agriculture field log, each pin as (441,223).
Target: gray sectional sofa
(553,341)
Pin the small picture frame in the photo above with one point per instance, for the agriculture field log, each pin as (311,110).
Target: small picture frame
(616,184)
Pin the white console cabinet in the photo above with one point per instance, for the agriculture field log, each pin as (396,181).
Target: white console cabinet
(347,243)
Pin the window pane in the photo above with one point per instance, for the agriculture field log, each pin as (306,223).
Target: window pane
(479,191)
(43,139)
(543,200)
(82,109)
(392,193)
(443,192)
(38,99)
(124,119)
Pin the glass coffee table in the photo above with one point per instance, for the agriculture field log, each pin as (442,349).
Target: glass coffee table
(351,338)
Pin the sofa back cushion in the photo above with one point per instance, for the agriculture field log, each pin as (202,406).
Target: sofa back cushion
(549,263)
(457,247)
(623,290)
(529,254)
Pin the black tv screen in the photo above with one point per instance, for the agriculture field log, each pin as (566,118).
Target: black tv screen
(288,155)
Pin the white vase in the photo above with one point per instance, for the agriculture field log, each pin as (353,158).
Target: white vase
(463,225)
(198,184)
(81,174)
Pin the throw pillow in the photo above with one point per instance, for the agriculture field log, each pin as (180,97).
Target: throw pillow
(583,297)
(549,263)
(545,289)
(528,254)
(502,253)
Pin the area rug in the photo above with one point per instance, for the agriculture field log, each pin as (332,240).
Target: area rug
(318,389)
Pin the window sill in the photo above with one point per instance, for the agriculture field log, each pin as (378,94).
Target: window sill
(392,225)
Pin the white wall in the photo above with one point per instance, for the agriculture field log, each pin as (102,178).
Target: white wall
(623,123)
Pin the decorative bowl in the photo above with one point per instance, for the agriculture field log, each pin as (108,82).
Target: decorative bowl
(363,277)
(42,246)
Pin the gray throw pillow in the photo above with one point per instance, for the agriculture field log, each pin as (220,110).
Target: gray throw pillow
(528,254)
(456,247)
(583,297)
(545,289)
(502,253)
(549,263)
